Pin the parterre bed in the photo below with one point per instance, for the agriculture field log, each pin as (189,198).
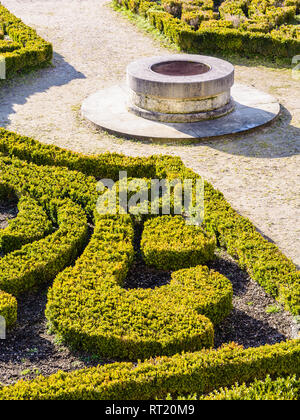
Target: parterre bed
(20,46)
(170,328)
(248,27)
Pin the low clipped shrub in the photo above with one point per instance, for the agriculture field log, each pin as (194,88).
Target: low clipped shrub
(197,29)
(169,243)
(91,310)
(107,319)
(40,261)
(182,374)
(25,49)
(285,389)
(46,164)
(8,308)
(31,224)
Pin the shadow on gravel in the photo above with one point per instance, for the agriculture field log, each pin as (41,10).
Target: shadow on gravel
(17,91)
(261,143)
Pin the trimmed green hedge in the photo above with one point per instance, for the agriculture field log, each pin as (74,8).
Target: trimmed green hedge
(27,49)
(31,224)
(89,307)
(265,262)
(42,260)
(169,243)
(199,372)
(108,320)
(8,308)
(285,389)
(220,35)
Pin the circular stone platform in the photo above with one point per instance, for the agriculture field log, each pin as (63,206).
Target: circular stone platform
(108,109)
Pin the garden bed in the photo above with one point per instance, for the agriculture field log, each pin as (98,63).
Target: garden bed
(21,48)
(246,27)
(102,277)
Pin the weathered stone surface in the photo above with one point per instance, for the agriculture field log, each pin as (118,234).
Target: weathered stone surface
(142,79)
(108,109)
(210,114)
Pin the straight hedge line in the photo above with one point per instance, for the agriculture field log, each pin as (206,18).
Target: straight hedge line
(199,372)
(212,38)
(280,389)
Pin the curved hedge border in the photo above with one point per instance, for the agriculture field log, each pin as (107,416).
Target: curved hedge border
(42,260)
(199,372)
(196,372)
(168,243)
(31,224)
(108,320)
(215,36)
(8,308)
(27,49)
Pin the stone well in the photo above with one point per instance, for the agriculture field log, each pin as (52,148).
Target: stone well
(177,98)
(180,88)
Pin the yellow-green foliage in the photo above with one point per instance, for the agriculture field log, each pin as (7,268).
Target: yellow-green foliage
(8,308)
(280,389)
(169,243)
(31,224)
(239,27)
(25,48)
(199,372)
(88,305)
(40,261)
(220,218)
(106,319)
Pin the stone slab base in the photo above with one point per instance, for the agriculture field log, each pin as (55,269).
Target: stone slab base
(108,109)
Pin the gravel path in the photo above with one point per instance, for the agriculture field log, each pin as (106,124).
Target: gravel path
(258,173)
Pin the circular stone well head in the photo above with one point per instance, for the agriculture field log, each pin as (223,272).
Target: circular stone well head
(180,88)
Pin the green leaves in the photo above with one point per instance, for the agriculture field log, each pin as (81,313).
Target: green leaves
(168,243)
(87,304)
(31,224)
(27,49)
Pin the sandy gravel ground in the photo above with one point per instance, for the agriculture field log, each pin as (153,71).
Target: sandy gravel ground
(258,173)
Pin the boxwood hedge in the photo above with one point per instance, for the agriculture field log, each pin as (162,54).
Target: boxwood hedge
(108,320)
(38,262)
(24,48)
(169,243)
(89,307)
(8,308)
(193,28)
(31,224)
(270,389)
